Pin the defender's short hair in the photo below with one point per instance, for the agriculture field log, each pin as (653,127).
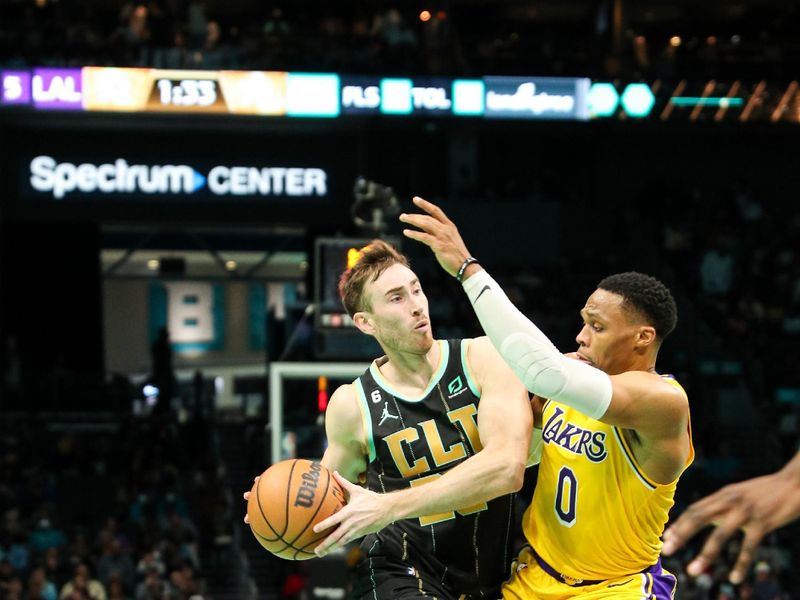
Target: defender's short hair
(375,259)
(646,295)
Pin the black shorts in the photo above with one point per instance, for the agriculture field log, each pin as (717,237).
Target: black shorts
(381,578)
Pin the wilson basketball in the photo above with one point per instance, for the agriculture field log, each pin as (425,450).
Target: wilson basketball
(287,501)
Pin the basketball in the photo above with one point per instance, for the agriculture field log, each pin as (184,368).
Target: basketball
(287,501)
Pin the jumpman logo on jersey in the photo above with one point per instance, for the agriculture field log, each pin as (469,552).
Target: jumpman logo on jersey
(386,414)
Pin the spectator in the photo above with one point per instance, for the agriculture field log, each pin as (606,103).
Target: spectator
(212,54)
(56,570)
(46,536)
(183,581)
(39,587)
(18,553)
(151,561)
(197,24)
(182,533)
(175,56)
(163,373)
(116,591)
(765,587)
(132,38)
(276,27)
(82,585)
(14,589)
(116,562)
(7,573)
(717,269)
(153,587)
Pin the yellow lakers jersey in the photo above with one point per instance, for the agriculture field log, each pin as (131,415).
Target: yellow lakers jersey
(595,514)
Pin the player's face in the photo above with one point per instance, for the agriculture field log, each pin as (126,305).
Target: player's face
(398,312)
(608,337)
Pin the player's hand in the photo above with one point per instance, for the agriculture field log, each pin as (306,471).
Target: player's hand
(439,233)
(365,512)
(756,507)
(246,496)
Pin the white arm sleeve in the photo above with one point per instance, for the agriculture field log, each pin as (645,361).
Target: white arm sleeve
(532,356)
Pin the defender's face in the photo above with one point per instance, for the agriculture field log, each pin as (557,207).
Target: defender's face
(608,337)
(398,314)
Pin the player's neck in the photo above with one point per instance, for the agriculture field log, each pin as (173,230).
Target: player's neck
(412,370)
(641,363)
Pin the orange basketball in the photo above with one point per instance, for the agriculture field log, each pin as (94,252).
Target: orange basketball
(287,501)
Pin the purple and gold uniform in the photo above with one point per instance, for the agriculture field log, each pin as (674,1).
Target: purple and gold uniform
(596,519)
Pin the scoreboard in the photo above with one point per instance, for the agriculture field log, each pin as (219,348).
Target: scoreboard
(291,94)
(332,95)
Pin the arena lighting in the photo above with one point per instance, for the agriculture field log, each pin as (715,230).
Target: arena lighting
(322,393)
(313,95)
(638,100)
(150,392)
(396,96)
(425,16)
(469,97)
(675,41)
(603,100)
(722,102)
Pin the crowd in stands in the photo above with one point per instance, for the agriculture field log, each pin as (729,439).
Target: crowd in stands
(383,37)
(115,511)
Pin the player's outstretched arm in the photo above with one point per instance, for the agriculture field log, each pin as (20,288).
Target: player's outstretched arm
(756,506)
(530,354)
(504,420)
(638,401)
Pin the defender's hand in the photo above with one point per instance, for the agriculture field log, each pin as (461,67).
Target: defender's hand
(439,233)
(757,507)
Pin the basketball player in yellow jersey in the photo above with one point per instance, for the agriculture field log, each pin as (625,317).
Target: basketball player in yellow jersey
(616,433)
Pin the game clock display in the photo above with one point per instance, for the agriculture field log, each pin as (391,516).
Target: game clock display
(184,95)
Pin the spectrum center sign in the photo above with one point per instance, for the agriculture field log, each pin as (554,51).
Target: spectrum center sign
(46,176)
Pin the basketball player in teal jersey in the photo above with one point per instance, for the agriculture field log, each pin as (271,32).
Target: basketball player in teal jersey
(441,429)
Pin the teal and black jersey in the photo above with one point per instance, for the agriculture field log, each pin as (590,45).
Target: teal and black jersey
(413,440)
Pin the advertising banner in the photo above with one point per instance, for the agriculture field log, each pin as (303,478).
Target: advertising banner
(537,98)
(118,178)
